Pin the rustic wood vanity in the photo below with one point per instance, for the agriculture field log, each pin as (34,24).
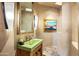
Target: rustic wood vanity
(34,49)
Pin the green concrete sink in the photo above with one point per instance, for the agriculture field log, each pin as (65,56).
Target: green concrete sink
(30,45)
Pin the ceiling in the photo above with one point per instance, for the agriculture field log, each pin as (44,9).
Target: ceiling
(50,4)
(26,4)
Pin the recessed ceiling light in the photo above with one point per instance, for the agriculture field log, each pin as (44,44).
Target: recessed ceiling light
(58,3)
(28,9)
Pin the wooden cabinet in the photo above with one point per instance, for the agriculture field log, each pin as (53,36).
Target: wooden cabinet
(35,52)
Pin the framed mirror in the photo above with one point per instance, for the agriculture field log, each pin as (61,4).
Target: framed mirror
(27,18)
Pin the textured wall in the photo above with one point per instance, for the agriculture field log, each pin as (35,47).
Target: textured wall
(75,11)
(3,38)
(44,12)
(66,28)
(75,22)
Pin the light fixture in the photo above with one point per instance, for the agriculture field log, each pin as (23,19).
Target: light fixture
(58,3)
(28,9)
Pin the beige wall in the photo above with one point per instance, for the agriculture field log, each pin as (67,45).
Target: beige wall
(78,28)
(15,24)
(69,28)
(66,28)
(75,11)
(44,12)
(75,22)
(3,38)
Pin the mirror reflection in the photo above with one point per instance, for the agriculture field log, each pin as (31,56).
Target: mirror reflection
(27,18)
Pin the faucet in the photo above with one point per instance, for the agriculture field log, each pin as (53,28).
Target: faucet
(28,38)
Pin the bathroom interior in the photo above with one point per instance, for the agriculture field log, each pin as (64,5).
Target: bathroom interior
(39,28)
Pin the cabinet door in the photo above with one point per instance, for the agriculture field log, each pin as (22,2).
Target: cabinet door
(25,53)
(18,52)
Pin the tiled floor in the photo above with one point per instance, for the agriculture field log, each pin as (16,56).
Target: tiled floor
(48,51)
(8,49)
(8,53)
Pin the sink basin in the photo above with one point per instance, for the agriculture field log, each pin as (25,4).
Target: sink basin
(32,42)
(30,45)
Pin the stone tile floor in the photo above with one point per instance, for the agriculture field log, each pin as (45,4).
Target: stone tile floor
(49,52)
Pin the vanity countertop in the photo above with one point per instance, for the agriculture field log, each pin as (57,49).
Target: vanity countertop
(30,45)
